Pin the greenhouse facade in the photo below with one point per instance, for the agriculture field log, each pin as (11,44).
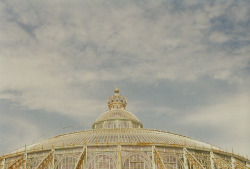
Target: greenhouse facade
(118,140)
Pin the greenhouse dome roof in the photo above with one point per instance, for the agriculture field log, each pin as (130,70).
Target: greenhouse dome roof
(118,126)
(126,136)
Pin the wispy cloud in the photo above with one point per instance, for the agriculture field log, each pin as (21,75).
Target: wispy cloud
(65,57)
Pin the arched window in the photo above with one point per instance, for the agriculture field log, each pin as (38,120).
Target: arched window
(35,163)
(171,162)
(67,163)
(102,161)
(137,161)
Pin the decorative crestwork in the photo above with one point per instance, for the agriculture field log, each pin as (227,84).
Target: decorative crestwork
(117,101)
(117,116)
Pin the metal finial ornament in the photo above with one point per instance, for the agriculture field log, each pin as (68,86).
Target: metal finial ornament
(117,101)
(116,90)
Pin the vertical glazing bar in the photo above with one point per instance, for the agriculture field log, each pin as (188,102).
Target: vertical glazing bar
(25,163)
(81,159)
(153,158)
(119,163)
(232,162)
(86,162)
(53,159)
(212,159)
(185,159)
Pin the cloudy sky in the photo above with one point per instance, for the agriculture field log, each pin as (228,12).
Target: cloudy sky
(183,66)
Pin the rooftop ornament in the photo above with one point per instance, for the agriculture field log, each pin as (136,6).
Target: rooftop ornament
(117,101)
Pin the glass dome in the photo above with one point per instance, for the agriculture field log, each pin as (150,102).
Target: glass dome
(118,140)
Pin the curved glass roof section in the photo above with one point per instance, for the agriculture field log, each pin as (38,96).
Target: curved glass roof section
(117,116)
(126,136)
(117,125)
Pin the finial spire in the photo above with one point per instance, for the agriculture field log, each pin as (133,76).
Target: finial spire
(117,101)
(116,90)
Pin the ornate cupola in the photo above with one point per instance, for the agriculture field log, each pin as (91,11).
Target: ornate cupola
(117,101)
(117,116)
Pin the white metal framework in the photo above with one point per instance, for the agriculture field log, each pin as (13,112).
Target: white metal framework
(119,141)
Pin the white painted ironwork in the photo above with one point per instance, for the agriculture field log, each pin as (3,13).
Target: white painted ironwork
(248,165)
(118,140)
(119,156)
(153,159)
(192,160)
(117,101)
(185,159)
(117,125)
(53,159)
(238,164)
(212,160)
(2,163)
(18,163)
(81,159)
(25,163)
(232,163)
(158,160)
(46,161)
(117,116)
(219,162)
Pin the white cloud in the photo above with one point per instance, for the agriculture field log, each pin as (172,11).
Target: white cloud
(231,118)
(219,37)
(57,56)
(89,44)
